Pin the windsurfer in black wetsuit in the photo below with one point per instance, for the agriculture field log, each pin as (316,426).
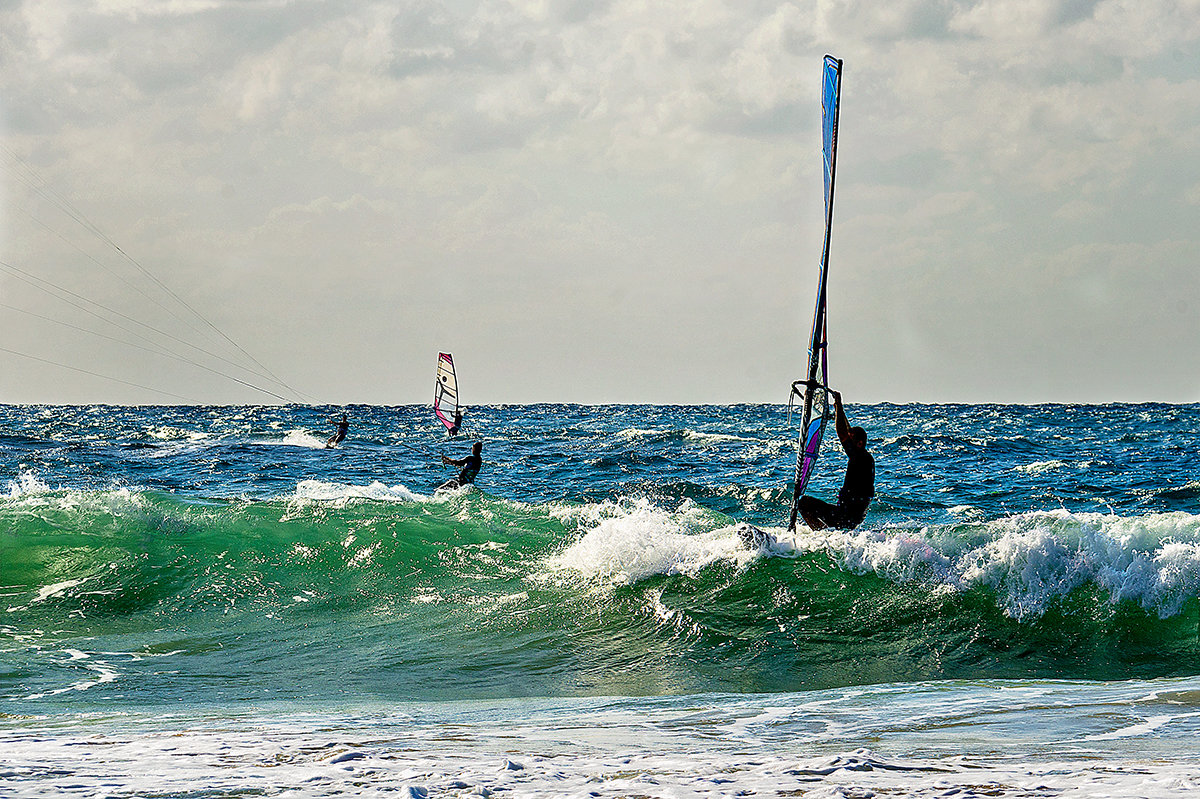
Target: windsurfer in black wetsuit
(470,467)
(457,422)
(857,488)
(338,437)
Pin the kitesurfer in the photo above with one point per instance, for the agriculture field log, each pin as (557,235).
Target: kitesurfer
(471,465)
(858,487)
(337,437)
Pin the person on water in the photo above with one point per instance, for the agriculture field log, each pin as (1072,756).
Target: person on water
(858,487)
(458,413)
(338,437)
(470,466)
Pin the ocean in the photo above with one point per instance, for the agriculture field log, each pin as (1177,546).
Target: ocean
(206,602)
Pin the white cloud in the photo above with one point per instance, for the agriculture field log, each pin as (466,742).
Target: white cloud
(624,194)
(885,22)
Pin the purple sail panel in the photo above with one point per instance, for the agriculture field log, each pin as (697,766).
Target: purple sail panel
(812,448)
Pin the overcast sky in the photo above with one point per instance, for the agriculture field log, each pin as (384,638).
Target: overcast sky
(598,201)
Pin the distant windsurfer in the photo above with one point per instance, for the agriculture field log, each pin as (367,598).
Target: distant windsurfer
(858,487)
(471,465)
(340,435)
(453,429)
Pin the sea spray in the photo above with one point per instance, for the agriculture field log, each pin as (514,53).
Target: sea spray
(1034,559)
(621,543)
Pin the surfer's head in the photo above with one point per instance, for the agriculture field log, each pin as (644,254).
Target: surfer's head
(477,448)
(859,437)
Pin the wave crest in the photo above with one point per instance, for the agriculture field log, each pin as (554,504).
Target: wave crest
(1032,560)
(627,541)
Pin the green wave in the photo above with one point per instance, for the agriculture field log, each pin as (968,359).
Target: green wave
(467,595)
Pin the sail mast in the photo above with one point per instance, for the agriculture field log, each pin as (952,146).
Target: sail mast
(829,122)
(816,387)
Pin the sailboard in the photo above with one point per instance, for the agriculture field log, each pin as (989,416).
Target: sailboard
(445,391)
(814,390)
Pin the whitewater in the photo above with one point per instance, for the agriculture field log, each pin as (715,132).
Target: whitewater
(204,601)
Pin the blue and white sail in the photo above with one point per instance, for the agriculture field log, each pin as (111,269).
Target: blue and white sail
(815,388)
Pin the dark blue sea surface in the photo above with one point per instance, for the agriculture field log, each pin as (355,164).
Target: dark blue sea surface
(202,555)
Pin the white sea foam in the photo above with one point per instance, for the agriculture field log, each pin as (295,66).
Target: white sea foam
(966,512)
(99,671)
(1039,467)
(636,433)
(303,438)
(320,491)
(624,542)
(24,485)
(169,433)
(697,436)
(47,591)
(29,491)
(712,438)
(921,741)
(1032,559)
(1150,725)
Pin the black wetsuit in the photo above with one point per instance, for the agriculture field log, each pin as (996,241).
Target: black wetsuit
(338,437)
(471,468)
(858,488)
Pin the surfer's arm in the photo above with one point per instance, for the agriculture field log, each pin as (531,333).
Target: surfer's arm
(453,462)
(840,422)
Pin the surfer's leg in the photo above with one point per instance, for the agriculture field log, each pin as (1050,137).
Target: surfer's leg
(847,518)
(817,514)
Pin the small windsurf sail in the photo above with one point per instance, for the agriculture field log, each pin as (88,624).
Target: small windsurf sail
(815,389)
(445,391)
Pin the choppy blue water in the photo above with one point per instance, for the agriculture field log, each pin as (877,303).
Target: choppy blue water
(164,571)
